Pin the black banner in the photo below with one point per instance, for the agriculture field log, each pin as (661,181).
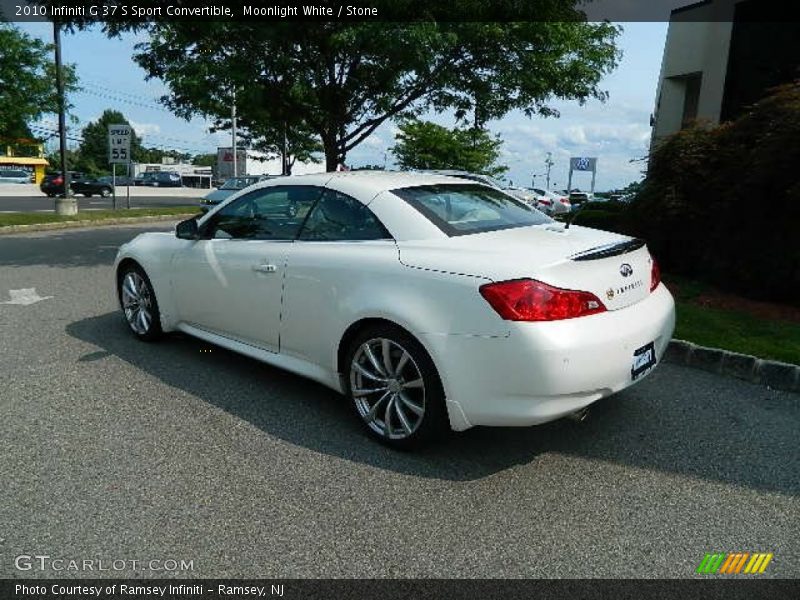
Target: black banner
(144,11)
(397,589)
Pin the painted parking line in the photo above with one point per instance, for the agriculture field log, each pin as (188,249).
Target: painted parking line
(24,297)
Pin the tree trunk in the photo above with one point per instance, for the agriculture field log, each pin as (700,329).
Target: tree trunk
(331,152)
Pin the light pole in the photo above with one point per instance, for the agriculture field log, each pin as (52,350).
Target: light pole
(233,133)
(65,205)
(549,162)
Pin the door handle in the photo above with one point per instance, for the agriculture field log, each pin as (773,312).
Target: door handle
(265,268)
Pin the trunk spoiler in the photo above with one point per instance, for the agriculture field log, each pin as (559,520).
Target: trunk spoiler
(607,250)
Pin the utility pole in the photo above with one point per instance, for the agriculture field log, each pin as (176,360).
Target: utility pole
(549,163)
(65,205)
(233,133)
(285,152)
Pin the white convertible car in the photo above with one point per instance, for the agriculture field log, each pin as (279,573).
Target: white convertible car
(427,300)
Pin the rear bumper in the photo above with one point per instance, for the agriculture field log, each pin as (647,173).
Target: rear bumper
(544,371)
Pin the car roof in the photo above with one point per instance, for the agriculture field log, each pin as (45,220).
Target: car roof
(366,184)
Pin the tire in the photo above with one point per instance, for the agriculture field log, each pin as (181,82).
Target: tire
(404,409)
(105,192)
(139,304)
(87,195)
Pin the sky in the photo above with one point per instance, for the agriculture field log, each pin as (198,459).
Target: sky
(617,132)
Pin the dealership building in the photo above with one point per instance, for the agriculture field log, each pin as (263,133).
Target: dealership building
(720,57)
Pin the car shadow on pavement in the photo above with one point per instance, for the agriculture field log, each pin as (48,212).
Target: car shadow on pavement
(677,420)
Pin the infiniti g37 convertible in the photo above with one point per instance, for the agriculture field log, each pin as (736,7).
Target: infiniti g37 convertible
(427,300)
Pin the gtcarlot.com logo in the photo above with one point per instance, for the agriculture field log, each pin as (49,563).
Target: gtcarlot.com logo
(734,563)
(44,562)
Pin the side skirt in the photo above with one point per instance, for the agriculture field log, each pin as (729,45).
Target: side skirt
(282,361)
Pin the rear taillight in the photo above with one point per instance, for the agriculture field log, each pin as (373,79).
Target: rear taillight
(545,202)
(565,201)
(531,300)
(655,274)
(58,181)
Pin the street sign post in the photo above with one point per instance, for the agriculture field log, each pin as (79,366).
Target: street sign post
(119,152)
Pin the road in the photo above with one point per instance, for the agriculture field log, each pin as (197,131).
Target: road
(41,203)
(178,450)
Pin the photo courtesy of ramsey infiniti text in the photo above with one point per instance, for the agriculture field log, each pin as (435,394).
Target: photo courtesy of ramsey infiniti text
(429,301)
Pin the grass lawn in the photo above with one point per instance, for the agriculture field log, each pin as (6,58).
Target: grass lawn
(761,329)
(7,219)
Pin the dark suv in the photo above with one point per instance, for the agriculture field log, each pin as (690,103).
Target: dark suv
(53,185)
(159,179)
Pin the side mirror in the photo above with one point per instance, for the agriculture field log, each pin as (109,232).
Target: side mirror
(187,230)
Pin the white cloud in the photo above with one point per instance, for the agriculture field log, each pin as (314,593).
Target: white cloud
(144,129)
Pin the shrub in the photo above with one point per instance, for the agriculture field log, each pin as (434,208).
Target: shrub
(722,204)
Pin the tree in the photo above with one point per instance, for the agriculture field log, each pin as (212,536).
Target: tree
(426,145)
(27,81)
(93,151)
(204,160)
(342,79)
(268,137)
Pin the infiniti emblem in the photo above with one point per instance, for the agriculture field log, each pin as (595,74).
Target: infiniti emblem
(625,270)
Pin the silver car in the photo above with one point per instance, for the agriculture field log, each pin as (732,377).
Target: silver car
(230,187)
(14,176)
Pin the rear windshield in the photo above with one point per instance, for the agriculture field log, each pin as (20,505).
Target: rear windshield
(465,209)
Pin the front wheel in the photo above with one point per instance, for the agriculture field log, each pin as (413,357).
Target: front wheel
(139,303)
(105,192)
(395,389)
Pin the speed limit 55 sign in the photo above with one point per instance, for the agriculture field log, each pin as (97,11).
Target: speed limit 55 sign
(119,143)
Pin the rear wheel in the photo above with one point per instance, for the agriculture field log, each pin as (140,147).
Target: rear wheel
(394,388)
(139,303)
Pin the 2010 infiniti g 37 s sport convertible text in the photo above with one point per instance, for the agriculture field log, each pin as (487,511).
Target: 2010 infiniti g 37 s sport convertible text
(425,299)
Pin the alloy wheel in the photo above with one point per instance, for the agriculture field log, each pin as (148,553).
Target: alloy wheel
(387,388)
(137,302)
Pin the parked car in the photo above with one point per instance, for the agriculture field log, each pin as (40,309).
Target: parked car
(428,301)
(551,203)
(119,180)
(53,185)
(14,176)
(577,198)
(158,179)
(231,186)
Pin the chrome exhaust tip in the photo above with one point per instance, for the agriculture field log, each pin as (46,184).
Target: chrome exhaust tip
(579,415)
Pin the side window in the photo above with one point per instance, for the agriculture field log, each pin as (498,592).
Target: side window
(273,213)
(338,217)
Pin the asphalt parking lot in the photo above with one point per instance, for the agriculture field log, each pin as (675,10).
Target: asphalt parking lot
(115,449)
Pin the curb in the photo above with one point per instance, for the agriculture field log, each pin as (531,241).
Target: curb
(774,374)
(98,223)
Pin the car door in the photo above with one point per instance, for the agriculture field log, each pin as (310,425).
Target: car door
(230,282)
(342,253)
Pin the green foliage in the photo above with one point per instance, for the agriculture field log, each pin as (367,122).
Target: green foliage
(426,145)
(27,81)
(339,80)
(267,136)
(722,204)
(204,160)
(93,151)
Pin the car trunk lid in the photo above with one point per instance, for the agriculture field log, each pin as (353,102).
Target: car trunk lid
(613,267)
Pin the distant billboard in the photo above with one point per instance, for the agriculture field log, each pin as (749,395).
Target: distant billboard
(225,162)
(583,163)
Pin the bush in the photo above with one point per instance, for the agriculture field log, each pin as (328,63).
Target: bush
(722,204)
